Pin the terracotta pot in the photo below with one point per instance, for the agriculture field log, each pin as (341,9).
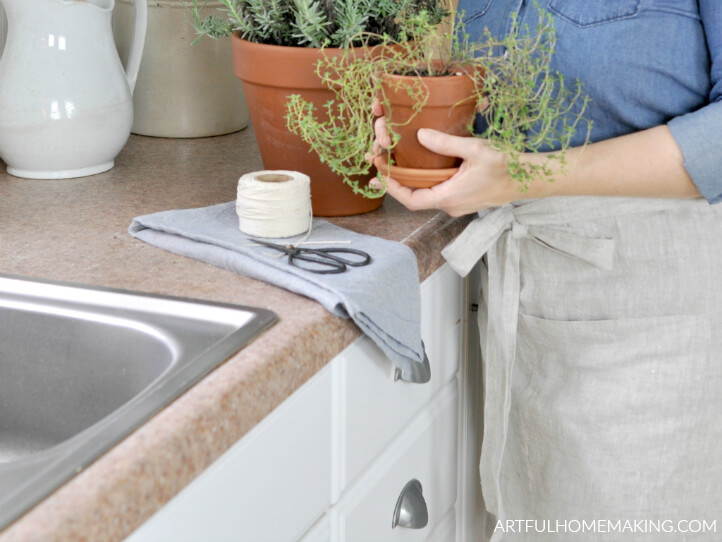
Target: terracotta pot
(450,108)
(270,73)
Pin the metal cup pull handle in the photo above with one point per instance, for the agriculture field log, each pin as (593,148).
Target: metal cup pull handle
(411,511)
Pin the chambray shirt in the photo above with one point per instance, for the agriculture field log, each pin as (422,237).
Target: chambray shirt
(643,63)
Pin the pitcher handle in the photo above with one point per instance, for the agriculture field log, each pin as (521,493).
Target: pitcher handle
(136,47)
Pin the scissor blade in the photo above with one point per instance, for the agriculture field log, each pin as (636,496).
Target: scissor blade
(285,249)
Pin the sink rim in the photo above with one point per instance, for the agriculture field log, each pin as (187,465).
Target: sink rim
(61,462)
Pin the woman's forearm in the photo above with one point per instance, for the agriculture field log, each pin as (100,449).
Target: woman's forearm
(643,164)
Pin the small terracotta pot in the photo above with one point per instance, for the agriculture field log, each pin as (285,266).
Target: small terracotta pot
(450,108)
(270,73)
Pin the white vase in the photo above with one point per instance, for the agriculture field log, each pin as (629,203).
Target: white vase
(65,102)
(3,29)
(183,90)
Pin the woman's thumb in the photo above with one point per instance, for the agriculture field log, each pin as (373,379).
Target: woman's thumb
(446,144)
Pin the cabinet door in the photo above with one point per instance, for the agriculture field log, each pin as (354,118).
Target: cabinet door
(269,487)
(373,408)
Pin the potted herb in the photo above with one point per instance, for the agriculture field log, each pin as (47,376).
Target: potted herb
(433,78)
(276,47)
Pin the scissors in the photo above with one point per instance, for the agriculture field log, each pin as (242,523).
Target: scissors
(328,259)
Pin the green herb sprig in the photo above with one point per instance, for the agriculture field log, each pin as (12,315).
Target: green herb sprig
(525,106)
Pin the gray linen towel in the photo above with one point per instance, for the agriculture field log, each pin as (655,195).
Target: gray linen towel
(382,298)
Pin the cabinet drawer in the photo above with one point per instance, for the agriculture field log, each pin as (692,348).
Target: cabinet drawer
(372,407)
(426,451)
(269,487)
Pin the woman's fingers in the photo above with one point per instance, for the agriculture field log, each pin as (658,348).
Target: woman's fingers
(382,139)
(382,134)
(448,145)
(414,199)
(410,198)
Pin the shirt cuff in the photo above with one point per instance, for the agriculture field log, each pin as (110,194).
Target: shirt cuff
(699,136)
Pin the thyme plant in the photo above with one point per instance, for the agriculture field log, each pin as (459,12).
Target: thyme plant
(531,108)
(525,106)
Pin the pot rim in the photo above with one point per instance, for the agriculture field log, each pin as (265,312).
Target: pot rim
(455,69)
(294,67)
(451,89)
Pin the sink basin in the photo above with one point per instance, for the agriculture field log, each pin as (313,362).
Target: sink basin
(81,367)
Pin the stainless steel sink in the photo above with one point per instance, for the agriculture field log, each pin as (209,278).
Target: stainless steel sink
(81,367)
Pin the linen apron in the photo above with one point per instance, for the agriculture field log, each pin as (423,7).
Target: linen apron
(602,362)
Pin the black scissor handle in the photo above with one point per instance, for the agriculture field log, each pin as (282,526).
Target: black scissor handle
(332,253)
(331,265)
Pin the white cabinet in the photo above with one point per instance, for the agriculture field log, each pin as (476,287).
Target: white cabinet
(329,464)
(270,486)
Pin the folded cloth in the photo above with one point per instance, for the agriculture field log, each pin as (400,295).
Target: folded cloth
(382,298)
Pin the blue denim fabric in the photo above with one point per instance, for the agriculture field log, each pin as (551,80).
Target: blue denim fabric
(642,62)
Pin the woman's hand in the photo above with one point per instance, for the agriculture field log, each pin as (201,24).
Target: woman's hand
(482,180)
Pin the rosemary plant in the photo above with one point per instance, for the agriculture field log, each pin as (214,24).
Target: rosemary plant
(525,106)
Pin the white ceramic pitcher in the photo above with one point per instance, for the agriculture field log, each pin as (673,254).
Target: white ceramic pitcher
(65,102)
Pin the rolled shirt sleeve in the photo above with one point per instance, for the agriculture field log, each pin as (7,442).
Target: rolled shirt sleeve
(699,133)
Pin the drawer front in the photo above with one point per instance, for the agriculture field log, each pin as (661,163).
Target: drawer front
(426,451)
(373,408)
(269,487)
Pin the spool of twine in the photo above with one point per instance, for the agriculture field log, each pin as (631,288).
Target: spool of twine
(274,204)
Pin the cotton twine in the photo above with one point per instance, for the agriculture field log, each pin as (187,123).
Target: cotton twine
(274,203)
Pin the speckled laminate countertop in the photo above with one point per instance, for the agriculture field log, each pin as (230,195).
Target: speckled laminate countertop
(76,230)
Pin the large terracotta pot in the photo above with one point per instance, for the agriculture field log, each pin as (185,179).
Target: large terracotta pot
(270,73)
(450,108)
